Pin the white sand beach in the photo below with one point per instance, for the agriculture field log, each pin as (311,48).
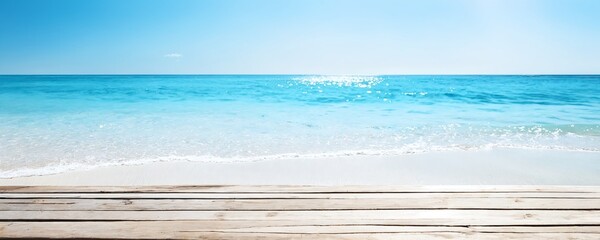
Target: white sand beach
(485,167)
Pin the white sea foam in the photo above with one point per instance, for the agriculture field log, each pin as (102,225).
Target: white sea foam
(409,149)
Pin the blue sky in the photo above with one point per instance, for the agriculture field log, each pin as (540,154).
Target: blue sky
(300,36)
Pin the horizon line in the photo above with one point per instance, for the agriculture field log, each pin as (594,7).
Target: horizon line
(296,74)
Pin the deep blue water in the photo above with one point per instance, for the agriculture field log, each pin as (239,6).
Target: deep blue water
(52,123)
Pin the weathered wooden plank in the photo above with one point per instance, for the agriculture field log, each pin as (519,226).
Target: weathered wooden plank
(274,195)
(301,212)
(296,189)
(406,217)
(269,230)
(295,204)
(287,226)
(358,236)
(275,227)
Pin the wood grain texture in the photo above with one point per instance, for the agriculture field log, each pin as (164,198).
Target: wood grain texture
(301,212)
(275,195)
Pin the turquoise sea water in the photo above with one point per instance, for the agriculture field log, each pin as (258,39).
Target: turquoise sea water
(51,124)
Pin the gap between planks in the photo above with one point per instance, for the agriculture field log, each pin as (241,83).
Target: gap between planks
(295,204)
(234,189)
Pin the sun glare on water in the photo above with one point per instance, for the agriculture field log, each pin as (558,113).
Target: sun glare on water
(340,80)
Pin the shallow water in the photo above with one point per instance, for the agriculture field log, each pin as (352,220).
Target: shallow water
(51,124)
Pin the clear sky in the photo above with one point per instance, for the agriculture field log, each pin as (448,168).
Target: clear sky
(300,36)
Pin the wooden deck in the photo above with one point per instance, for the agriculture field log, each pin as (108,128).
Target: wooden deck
(301,212)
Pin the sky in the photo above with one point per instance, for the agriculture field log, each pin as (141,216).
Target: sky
(299,37)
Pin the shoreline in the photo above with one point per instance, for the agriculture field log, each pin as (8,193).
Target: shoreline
(483,167)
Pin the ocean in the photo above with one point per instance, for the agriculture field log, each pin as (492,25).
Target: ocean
(55,123)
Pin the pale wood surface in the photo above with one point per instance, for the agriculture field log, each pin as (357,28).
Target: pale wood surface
(301,212)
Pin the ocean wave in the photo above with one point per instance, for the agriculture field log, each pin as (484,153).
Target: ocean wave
(408,150)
